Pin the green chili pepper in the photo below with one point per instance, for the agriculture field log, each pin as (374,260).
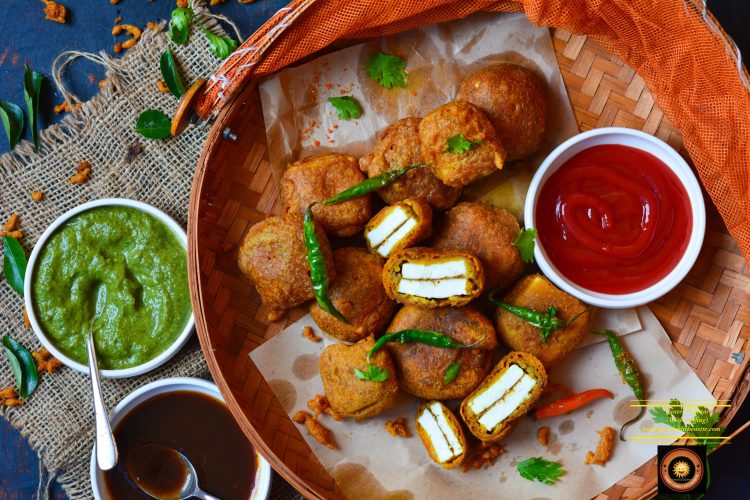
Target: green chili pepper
(370,185)
(544,321)
(318,271)
(425,336)
(628,371)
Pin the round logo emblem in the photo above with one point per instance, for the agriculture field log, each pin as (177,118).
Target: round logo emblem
(681,470)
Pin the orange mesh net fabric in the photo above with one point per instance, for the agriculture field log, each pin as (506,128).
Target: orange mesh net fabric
(686,65)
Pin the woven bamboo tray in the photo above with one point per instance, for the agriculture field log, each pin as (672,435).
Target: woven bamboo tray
(707,316)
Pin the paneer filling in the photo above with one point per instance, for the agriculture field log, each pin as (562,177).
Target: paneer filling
(503,397)
(394,228)
(442,436)
(434,281)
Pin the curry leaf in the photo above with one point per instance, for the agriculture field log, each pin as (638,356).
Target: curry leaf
(170,74)
(452,372)
(14,263)
(346,107)
(457,144)
(525,244)
(386,69)
(540,469)
(374,373)
(12,118)
(23,366)
(32,84)
(153,124)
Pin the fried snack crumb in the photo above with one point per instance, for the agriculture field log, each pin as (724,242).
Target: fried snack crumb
(37,195)
(162,87)
(476,459)
(65,107)
(151,25)
(320,405)
(550,389)
(603,449)
(83,173)
(45,361)
(8,397)
(245,1)
(113,1)
(397,427)
(12,234)
(12,223)
(214,2)
(54,12)
(117,30)
(26,322)
(542,434)
(133,31)
(118,48)
(310,335)
(320,433)
(182,3)
(119,18)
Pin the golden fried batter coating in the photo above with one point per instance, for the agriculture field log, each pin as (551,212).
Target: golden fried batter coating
(421,368)
(493,244)
(358,294)
(274,257)
(397,148)
(455,426)
(484,453)
(532,367)
(430,279)
(387,238)
(319,177)
(512,99)
(543,435)
(348,395)
(460,169)
(316,430)
(603,449)
(537,293)
(397,428)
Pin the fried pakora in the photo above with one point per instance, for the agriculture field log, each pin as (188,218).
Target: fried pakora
(399,226)
(537,293)
(441,434)
(273,256)
(358,294)
(455,168)
(421,368)
(493,244)
(433,278)
(397,148)
(494,409)
(318,178)
(512,99)
(348,395)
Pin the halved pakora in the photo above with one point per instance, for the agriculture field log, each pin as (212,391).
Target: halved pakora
(398,226)
(320,177)
(493,243)
(421,368)
(441,434)
(348,395)
(433,278)
(273,256)
(493,410)
(358,294)
(459,168)
(397,148)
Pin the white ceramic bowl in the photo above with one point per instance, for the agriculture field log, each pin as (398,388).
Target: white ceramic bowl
(644,142)
(262,467)
(127,372)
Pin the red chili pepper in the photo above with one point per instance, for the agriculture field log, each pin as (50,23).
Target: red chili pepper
(564,405)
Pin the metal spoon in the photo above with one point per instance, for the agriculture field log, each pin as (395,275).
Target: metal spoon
(106,450)
(152,475)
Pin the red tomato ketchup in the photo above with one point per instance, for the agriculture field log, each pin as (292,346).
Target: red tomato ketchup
(614,219)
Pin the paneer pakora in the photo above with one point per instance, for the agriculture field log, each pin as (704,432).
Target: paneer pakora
(399,226)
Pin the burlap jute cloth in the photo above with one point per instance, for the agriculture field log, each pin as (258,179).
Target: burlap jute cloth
(58,418)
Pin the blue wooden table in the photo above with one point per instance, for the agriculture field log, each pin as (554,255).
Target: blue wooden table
(25,37)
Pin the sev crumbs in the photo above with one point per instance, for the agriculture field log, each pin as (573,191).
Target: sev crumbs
(397,428)
(8,397)
(320,433)
(309,335)
(83,173)
(477,457)
(45,361)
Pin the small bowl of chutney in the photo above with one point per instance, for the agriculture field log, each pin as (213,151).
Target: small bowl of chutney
(620,217)
(187,415)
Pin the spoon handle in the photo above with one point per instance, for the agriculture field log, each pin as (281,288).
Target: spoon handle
(106,451)
(199,493)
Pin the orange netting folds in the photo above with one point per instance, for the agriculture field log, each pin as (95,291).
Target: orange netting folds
(686,63)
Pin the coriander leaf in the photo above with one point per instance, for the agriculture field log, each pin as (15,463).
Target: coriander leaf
(374,373)
(12,118)
(452,372)
(221,47)
(181,18)
(170,74)
(14,264)
(346,107)
(386,70)
(23,366)
(701,426)
(457,144)
(153,124)
(177,35)
(540,469)
(32,84)
(525,244)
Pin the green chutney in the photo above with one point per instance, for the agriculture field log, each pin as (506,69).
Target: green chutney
(142,263)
